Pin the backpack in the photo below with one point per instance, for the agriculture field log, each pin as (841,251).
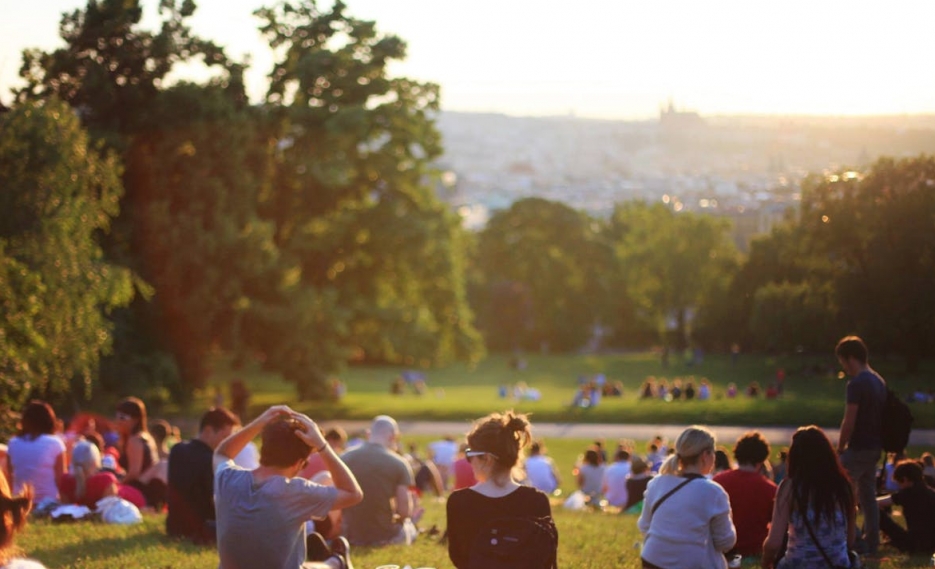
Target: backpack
(516,543)
(896,423)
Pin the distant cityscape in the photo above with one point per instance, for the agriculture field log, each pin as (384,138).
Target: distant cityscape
(748,169)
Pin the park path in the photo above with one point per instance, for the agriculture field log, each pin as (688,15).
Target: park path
(726,435)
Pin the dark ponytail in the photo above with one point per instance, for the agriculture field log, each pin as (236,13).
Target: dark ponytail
(502,435)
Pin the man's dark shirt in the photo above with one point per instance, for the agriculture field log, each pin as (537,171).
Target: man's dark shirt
(918,503)
(191,492)
(868,390)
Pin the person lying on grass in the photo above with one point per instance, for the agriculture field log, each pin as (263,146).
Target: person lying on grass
(261,513)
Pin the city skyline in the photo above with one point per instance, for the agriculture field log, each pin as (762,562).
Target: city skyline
(605,59)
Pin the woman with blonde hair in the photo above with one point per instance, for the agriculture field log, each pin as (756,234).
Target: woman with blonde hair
(88,483)
(493,451)
(686,518)
(13,511)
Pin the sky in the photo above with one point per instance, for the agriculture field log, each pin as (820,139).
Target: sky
(614,59)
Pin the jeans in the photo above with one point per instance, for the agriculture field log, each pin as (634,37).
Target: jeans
(861,465)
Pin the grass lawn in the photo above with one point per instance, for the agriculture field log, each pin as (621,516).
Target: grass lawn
(586,541)
(460,393)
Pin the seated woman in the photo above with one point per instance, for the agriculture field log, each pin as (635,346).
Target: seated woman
(493,450)
(686,518)
(13,511)
(138,454)
(36,455)
(590,476)
(88,483)
(815,504)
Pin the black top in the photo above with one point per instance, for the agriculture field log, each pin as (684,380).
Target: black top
(150,455)
(918,502)
(470,511)
(191,491)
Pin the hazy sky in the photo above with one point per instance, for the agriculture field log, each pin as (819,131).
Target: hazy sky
(605,58)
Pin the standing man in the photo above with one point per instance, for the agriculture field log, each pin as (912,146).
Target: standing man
(190,496)
(861,442)
(261,513)
(385,477)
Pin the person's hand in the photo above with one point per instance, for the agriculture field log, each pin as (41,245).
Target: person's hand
(309,432)
(274,412)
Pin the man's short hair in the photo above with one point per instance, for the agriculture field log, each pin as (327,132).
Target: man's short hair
(281,446)
(621,455)
(852,347)
(751,448)
(336,434)
(218,418)
(909,470)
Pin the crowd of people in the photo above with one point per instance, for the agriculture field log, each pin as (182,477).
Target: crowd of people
(308,495)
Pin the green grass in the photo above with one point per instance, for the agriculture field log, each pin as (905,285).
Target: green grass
(586,541)
(459,393)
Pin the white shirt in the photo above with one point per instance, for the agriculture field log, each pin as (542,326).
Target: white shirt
(249,457)
(33,462)
(444,452)
(691,529)
(539,471)
(615,480)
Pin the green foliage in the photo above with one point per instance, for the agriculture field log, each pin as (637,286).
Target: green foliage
(366,247)
(669,263)
(57,192)
(787,317)
(544,268)
(877,232)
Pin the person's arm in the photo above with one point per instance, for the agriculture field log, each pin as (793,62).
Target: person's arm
(457,546)
(403,501)
(778,526)
(847,426)
(232,445)
(349,492)
(555,474)
(60,469)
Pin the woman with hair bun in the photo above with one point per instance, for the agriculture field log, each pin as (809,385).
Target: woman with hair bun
(493,452)
(686,518)
(13,511)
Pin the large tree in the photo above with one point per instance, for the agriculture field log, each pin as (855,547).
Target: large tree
(57,191)
(546,269)
(876,233)
(365,242)
(669,264)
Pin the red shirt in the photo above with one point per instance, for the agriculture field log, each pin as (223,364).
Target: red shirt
(751,502)
(464,474)
(94,488)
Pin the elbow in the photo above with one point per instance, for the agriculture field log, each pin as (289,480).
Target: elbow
(356,497)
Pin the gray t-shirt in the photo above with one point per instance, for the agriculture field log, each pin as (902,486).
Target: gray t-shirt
(379,472)
(263,525)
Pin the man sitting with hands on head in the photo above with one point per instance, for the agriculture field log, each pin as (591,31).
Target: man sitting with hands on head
(261,513)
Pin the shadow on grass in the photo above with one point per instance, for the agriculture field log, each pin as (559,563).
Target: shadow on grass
(122,546)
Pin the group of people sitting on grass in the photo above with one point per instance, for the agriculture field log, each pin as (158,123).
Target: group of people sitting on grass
(313,494)
(678,389)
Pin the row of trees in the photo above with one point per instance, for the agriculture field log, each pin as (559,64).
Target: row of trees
(858,256)
(152,226)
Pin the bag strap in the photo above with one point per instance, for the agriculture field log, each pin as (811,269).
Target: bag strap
(821,550)
(670,492)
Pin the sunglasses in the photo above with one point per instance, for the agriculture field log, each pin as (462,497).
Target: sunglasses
(468,453)
(122,417)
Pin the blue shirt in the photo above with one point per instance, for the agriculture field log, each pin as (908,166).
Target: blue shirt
(868,390)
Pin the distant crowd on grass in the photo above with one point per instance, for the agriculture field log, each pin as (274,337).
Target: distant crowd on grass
(308,495)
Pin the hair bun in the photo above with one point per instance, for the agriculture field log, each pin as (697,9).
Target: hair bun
(516,422)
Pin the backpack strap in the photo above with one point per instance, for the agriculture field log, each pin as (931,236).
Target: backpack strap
(670,492)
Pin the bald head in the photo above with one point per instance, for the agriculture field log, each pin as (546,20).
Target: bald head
(384,430)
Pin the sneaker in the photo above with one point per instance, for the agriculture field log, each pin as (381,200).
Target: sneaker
(341,549)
